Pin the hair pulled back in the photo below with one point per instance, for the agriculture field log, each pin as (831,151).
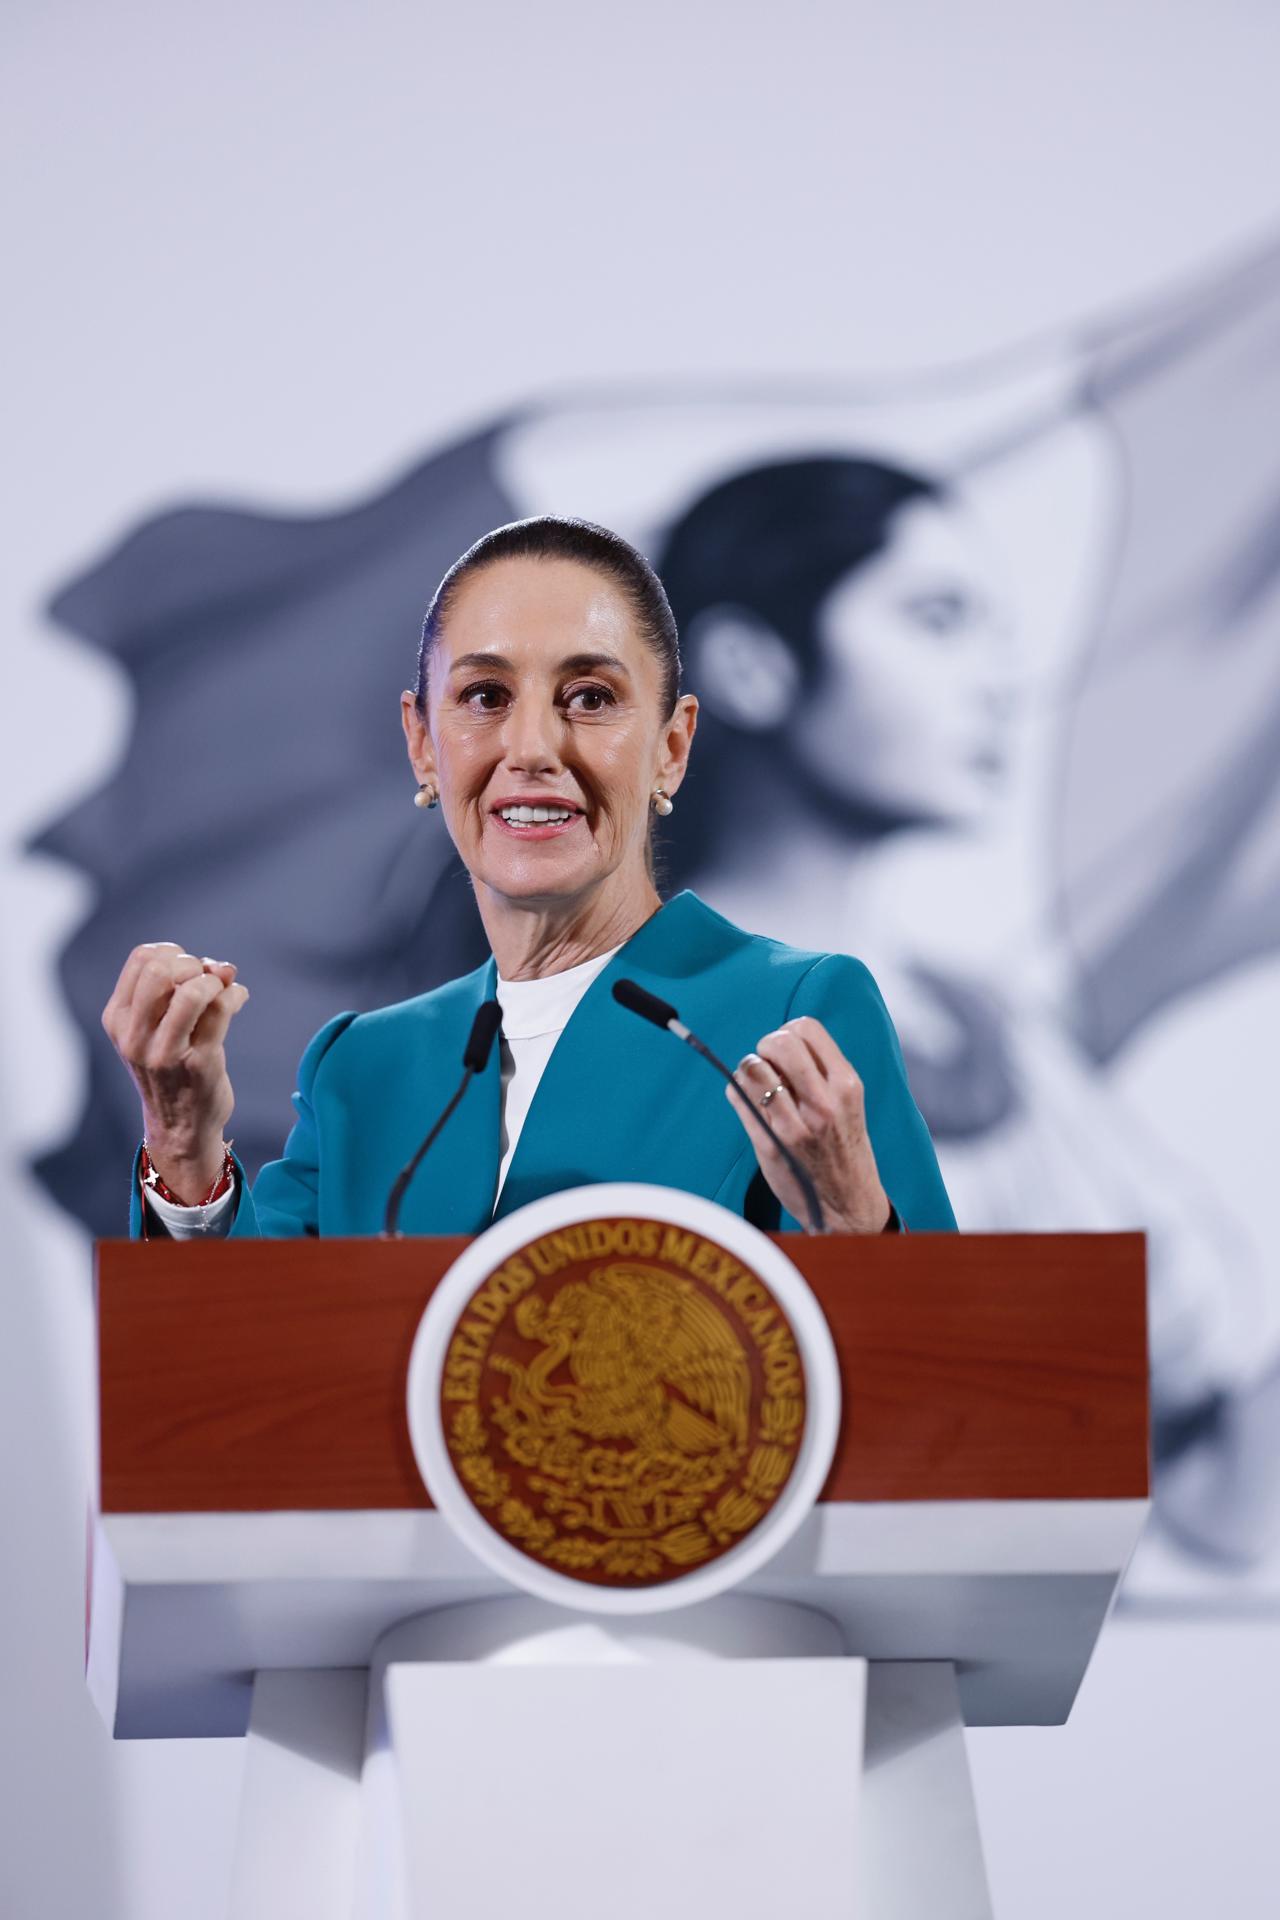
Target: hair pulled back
(775,539)
(550,536)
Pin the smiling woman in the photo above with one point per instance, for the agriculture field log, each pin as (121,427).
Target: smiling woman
(531,682)
(548,726)
(547,679)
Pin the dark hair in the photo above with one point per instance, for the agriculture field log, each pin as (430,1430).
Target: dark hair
(773,540)
(551,536)
(776,539)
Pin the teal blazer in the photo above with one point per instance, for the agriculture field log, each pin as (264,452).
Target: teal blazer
(618,1099)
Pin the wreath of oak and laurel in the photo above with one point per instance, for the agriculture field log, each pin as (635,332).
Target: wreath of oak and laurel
(654,1418)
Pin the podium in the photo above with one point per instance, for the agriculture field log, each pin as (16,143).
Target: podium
(266,1563)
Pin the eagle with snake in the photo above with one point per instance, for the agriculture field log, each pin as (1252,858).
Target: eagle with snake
(648,1358)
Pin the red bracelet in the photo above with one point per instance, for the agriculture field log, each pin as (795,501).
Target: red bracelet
(152,1182)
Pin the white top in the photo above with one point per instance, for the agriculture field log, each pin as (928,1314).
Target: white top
(534,1015)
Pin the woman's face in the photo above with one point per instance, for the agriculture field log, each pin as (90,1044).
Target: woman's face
(542,693)
(908,713)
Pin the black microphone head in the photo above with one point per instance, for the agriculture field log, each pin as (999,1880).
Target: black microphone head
(637,1000)
(480,1041)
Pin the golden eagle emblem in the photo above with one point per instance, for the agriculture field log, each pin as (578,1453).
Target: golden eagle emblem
(648,1359)
(621,1419)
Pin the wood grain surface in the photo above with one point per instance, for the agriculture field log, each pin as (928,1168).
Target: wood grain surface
(269,1375)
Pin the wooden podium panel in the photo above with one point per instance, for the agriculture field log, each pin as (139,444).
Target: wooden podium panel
(260,1508)
(269,1375)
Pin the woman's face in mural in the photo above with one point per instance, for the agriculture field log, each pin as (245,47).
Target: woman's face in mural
(908,711)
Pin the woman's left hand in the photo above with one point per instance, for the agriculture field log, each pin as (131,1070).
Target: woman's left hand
(819,1111)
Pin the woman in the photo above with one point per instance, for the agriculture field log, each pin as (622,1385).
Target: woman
(548,726)
(846,636)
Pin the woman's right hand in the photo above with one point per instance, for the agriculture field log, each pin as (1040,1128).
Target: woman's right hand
(168,1020)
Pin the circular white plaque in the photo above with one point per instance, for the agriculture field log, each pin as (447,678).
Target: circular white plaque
(687,1213)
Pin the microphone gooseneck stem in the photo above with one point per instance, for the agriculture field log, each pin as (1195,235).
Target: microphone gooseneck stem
(475,1058)
(660,1013)
(817,1221)
(391,1224)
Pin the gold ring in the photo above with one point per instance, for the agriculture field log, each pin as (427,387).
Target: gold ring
(765,1098)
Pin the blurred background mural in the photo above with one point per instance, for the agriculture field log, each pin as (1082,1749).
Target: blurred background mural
(1041,828)
(956,441)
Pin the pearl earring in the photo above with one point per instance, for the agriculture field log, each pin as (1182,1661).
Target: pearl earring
(426,796)
(661,804)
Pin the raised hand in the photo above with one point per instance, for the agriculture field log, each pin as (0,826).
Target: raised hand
(814,1100)
(168,1020)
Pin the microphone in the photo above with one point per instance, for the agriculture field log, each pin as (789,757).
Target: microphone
(636,999)
(475,1058)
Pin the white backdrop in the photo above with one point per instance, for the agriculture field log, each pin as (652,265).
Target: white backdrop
(272,253)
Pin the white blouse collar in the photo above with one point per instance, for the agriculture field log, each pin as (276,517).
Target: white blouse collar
(542,1006)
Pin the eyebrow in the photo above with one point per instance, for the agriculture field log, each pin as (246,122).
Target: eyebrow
(573,663)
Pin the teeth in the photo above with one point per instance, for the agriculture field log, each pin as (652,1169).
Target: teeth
(535,816)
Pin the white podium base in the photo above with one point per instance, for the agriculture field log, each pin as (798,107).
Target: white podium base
(299,1830)
(729,1757)
(919,1850)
